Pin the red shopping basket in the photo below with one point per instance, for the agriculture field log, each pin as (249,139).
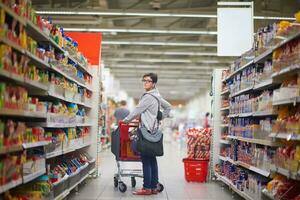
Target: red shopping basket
(195,170)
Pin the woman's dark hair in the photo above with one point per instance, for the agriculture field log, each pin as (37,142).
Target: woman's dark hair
(207,114)
(153,77)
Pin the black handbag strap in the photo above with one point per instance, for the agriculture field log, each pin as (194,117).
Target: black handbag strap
(158,103)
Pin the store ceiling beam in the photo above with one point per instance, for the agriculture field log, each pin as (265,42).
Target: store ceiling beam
(153,43)
(142,30)
(147,13)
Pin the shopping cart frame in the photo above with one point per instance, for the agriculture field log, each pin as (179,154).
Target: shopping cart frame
(121,143)
(120,147)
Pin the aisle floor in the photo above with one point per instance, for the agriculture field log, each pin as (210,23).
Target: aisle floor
(171,176)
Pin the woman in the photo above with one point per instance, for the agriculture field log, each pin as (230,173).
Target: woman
(206,121)
(147,109)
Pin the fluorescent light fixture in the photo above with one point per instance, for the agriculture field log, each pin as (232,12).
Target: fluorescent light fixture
(159,60)
(159,67)
(128,30)
(126,13)
(149,14)
(275,18)
(191,44)
(154,52)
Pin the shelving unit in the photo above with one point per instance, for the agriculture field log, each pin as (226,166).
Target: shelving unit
(255,141)
(274,139)
(233,187)
(285,172)
(36,88)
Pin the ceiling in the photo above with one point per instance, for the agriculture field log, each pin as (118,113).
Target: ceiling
(181,49)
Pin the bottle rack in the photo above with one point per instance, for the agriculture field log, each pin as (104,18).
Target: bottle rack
(47,92)
(274,139)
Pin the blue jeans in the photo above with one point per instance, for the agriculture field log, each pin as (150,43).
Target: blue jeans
(150,171)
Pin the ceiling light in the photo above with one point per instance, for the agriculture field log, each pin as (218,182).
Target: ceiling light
(161,60)
(275,18)
(154,52)
(192,44)
(149,14)
(127,30)
(125,13)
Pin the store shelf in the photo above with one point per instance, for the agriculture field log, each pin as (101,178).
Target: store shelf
(225,141)
(33,176)
(39,62)
(286,136)
(233,187)
(54,154)
(264,113)
(21,113)
(56,69)
(263,55)
(225,92)
(23,82)
(233,115)
(10,185)
(35,144)
(285,172)
(255,141)
(286,40)
(68,150)
(13,45)
(92,171)
(12,13)
(254,169)
(222,158)
(263,85)
(285,71)
(242,92)
(13,148)
(225,108)
(84,124)
(246,166)
(241,68)
(268,194)
(293,100)
(62,195)
(68,190)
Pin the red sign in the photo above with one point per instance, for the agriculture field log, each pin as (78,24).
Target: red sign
(89,44)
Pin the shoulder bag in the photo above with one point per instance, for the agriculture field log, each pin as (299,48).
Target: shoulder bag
(150,144)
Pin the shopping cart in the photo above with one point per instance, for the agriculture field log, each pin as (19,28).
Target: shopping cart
(121,147)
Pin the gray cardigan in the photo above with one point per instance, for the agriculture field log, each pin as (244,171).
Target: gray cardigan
(147,108)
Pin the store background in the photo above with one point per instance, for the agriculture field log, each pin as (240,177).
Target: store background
(181,49)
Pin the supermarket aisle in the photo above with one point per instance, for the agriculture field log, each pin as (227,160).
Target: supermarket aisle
(171,175)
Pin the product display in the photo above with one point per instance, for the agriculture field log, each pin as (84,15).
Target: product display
(243,180)
(45,101)
(198,143)
(283,188)
(264,88)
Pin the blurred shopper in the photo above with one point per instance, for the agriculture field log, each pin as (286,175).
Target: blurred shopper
(206,121)
(147,109)
(121,112)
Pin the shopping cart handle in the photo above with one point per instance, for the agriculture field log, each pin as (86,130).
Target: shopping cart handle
(132,123)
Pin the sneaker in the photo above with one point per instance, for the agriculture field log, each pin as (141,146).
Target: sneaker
(155,191)
(142,192)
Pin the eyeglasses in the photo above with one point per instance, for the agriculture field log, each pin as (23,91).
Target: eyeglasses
(146,81)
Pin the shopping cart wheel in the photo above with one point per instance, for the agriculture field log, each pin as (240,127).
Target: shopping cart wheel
(160,187)
(116,182)
(133,182)
(122,187)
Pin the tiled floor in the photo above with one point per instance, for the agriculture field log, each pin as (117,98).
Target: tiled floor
(171,176)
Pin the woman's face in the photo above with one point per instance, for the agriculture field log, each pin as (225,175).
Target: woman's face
(148,83)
